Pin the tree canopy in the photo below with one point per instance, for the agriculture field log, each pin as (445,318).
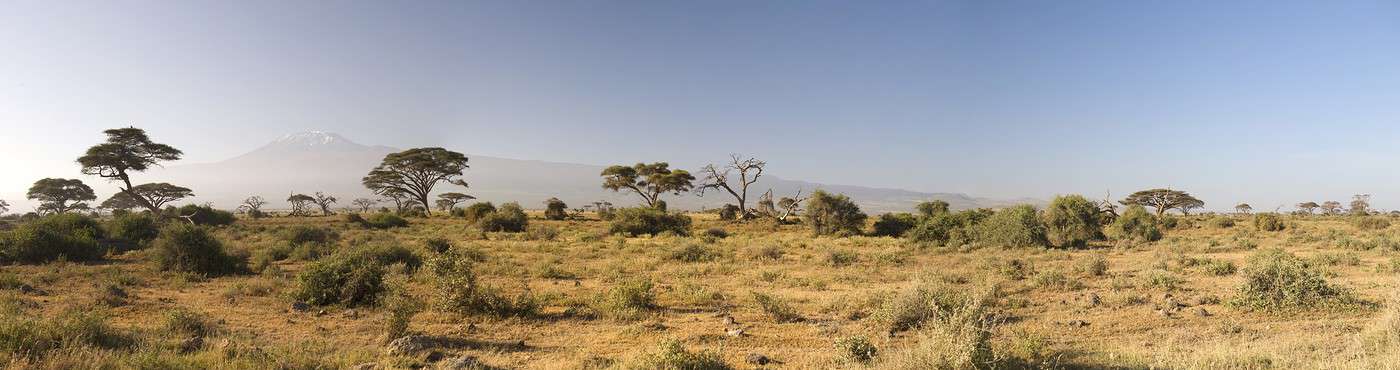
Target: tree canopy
(159,194)
(448,201)
(61,195)
(127,150)
(647,180)
(413,173)
(1164,199)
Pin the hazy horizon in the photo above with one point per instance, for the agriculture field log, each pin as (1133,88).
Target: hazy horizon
(1267,103)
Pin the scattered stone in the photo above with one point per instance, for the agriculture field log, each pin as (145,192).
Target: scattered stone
(410,344)
(300,307)
(463,363)
(736,332)
(192,344)
(757,359)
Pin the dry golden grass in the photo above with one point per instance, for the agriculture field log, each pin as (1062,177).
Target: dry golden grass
(1095,307)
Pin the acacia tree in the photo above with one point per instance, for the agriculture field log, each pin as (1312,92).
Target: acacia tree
(1308,207)
(127,150)
(324,201)
(159,194)
(555,209)
(1243,208)
(1361,204)
(253,205)
(931,208)
(4,206)
(1163,200)
(413,173)
(448,201)
(364,204)
(120,201)
(648,180)
(299,203)
(749,170)
(1331,207)
(54,195)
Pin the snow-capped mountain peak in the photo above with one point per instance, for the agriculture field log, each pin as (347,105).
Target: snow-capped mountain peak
(311,138)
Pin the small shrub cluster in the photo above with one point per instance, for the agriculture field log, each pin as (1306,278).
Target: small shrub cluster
(1018,226)
(201,215)
(1135,225)
(1371,222)
(555,209)
(134,228)
(729,212)
(457,289)
(382,220)
(69,236)
(629,300)
(945,229)
(1072,221)
(833,214)
(304,234)
(477,210)
(1277,280)
(1268,222)
(894,224)
(182,247)
(694,252)
(509,218)
(857,350)
(1222,222)
(648,221)
(672,355)
(776,309)
(341,279)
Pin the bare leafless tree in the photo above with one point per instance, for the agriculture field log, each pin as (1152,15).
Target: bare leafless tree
(324,201)
(781,209)
(252,205)
(749,169)
(364,204)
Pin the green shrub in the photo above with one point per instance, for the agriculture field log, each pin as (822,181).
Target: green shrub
(672,356)
(477,210)
(629,300)
(388,254)
(438,245)
(1276,280)
(648,221)
(341,279)
(694,252)
(856,350)
(134,228)
(555,209)
(189,323)
(932,208)
(729,212)
(1018,226)
(1268,222)
(457,289)
(894,224)
(302,234)
(182,247)
(510,218)
(1220,267)
(27,338)
(69,236)
(1136,225)
(776,308)
(841,257)
(1222,222)
(1093,265)
(833,214)
(401,307)
(1072,221)
(715,233)
(927,301)
(1371,222)
(945,229)
(201,215)
(382,220)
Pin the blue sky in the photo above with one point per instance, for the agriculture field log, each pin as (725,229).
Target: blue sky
(1269,103)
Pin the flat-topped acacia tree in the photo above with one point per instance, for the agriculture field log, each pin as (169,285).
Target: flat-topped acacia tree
(415,172)
(648,180)
(61,195)
(127,150)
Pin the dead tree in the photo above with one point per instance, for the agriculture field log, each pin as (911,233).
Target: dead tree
(718,178)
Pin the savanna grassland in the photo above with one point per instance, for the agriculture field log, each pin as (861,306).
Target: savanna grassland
(335,292)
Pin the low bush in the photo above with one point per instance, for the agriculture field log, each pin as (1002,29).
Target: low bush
(671,355)
(69,236)
(927,301)
(477,210)
(74,330)
(188,323)
(1071,221)
(134,228)
(389,254)
(1018,226)
(383,220)
(954,329)
(1276,280)
(1135,225)
(510,218)
(438,245)
(1371,222)
(1268,222)
(629,300)
(302,234)
(715,233)
(856,350)
(894,224)
(201,215)
(833,214)
(1222,222)
(555,209)
(947,229)
(776,309)
(729,212)
(648,221)
(401,308)
(341,279)
(182,247)
(457,289)
(694,252)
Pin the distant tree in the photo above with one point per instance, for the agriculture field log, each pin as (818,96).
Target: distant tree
(61,195)
(554,209)
(364,204)
(1361,204)
(400,198)
(781,209)
(451,200)
(324,201)
(1163,199)
(127,150)
(1308,207)
(252,205)
(648,180)
(833,214)
(1331,207)
(159,194)
(444,205)
(120,201)
(1072,221)
(1243,208)
(4,206)
(933,207)
(749,170)
(415,172)
(300,203)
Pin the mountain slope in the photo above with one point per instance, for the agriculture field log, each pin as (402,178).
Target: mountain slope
(318,161)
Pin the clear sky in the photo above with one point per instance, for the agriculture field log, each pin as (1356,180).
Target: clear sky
(1267,102)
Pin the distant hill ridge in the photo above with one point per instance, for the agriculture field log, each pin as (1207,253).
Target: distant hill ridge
(322,161)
